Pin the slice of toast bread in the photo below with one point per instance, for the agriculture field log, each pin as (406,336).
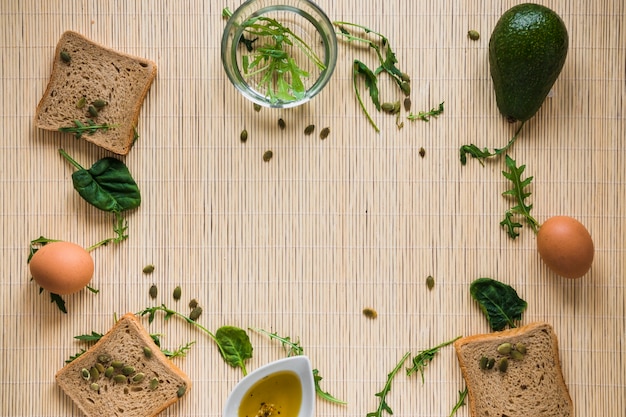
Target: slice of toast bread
(85,72)
(529,383)
(123,374)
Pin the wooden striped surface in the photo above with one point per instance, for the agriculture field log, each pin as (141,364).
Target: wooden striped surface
(301,244)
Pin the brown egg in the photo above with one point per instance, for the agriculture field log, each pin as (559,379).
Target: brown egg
(565,246)
(62,267)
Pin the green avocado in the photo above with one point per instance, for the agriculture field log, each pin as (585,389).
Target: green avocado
(527,50)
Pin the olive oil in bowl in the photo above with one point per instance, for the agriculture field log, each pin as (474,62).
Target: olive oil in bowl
(277,393)
(283,388)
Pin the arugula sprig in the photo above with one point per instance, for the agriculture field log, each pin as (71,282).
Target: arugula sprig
(94,337)
(387,61)
(386,58)
(88,127)
(484,153)
(460,402)
(280,75)
(519,193)
(294,348)
(425,116)
(383,406)
(424,357)
(233,343)
(419,362)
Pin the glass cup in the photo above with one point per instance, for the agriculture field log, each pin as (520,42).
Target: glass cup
(279,53)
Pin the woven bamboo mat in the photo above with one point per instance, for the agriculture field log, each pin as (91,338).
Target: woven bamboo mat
(301,244)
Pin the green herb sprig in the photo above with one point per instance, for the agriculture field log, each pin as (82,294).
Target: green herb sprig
(387,61)
(519,194)
(294,348)
(94,337)
(419,363)
(424,357)
(425,116)
(233,343)
(88,127)
(484,153)
(460,402)
(383,406)
(280,75)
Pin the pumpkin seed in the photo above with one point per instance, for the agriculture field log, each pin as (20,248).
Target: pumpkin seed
(405,86)
(139,377)
(128,370)
(117,364)
(388,107)
(104,358)
(324,133)
(153,291)
(517,355)
(85,374)
(268,155)
(148,269)
(99,367)
(483,362)
(309,129)
(521,348)
(95,387)
(65,56)
(99,104)
(195,313)
(193,303)
(147,352)
(257,107)
(181,391)
(473,35)
(407,104)
(281,124)
(370,313)
(81,102)
(422,152)
(503,365)
(119,378)
(243,136)
(405,77)
(93,112)
(505,348)
(491,363)
(109,372)
(177,293)
(154,383)
(430,282)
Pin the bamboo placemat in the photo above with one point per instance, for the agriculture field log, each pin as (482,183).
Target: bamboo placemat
(301,244)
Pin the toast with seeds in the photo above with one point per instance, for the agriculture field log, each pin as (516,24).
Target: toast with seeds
(95,93)
(123,374)
(514,373)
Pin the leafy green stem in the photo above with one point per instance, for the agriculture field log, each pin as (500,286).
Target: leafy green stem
(519,194)
(294,348)
(70,159)
(482,154)
(460,402)
(423,358)
(382,395)
(232,342)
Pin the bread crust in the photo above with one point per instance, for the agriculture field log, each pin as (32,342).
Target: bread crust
(96,72)
(105,402)
(479,382)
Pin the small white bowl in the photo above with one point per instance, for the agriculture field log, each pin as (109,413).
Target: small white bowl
(300,366)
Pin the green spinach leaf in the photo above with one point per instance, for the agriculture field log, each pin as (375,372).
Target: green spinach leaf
(107,185)
(234,345)
(498,301)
